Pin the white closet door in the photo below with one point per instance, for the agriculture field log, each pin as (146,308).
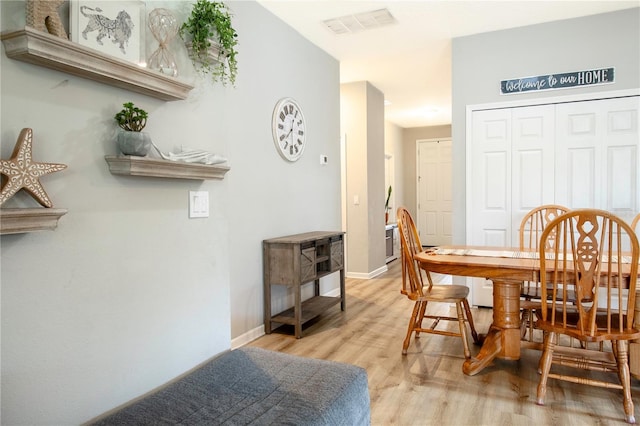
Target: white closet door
(597,155)
(579,154)
(491,182)
(512,166)
(533,137)
(490,189)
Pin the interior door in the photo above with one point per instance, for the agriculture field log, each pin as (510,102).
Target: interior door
(513,172)
(434,192)
(597,155)
(533,136)
(490,163)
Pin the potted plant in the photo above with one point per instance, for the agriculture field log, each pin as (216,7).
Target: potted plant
(211,40)
(132,140)
(386,206)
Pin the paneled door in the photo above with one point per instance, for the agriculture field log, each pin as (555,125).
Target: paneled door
(512,172)
(597,155)
(434,192)
(578,154)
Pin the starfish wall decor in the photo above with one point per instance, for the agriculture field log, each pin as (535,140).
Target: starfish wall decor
(24,173)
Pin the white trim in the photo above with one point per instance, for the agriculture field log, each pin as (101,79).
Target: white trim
(554,100)
(247,337)
(369,275)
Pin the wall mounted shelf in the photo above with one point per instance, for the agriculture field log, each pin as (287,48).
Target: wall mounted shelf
(17,221)
(46,50)
(155,167)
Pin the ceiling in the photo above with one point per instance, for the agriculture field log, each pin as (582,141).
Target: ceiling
(410,60)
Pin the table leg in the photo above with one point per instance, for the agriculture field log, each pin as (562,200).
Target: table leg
(297,312)
(343,297)
(503,338)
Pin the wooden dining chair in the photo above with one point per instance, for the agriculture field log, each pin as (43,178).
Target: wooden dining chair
(422,294)
(589,257)
(634,346)
(531,228)
(634,223)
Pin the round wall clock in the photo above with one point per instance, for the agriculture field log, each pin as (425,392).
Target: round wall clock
(288,128)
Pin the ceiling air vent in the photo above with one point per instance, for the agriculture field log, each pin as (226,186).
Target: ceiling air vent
(350,24)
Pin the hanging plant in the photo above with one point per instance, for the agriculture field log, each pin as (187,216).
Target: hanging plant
(209,27)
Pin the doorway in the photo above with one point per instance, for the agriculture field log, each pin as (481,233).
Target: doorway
(434,197)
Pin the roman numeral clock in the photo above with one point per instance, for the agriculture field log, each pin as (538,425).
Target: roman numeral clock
(288,128)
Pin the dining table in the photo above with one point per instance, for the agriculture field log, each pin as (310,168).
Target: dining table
(507,268)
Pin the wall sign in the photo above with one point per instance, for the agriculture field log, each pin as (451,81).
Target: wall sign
(558,81)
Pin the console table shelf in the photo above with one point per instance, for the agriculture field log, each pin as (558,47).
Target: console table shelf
(43,49)
(311,308)
(17,221)
(155,167)
(300,259)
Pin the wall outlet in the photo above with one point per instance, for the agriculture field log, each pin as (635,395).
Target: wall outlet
(198,204)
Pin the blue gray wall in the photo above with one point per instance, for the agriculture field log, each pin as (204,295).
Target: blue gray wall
(129,292)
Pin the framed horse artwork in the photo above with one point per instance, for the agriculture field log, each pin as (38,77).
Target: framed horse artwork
(116,28)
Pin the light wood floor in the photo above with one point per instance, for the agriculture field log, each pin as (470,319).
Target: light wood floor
(427,386)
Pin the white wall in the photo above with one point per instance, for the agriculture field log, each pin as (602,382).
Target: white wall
(409,137)
(393,146)
(481,61)
(129,292)
(362,120)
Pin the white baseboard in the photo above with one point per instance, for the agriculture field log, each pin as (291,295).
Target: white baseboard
(369,275)
(247,337)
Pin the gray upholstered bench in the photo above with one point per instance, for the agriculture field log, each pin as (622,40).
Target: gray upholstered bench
(258,387)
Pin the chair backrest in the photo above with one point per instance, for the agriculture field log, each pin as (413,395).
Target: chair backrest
(588,257)
(410,244)
(534,223)
(634,223)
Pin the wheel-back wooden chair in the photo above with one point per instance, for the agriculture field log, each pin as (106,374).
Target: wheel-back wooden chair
(634,346)
(422,294)
(634,223)
(531,228)
(590,256)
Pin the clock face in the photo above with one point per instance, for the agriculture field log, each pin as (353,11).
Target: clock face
(289,131)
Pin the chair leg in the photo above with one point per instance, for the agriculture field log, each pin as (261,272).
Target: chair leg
(420,317)
(545,365)
(463,330)
(467,309)
(524,321)
(625,378)
(412,326)
(532,313)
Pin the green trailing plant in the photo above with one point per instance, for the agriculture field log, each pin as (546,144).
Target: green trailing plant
(211,20)
(386,204)
(132,118)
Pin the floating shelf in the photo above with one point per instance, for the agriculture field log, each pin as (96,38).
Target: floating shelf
(46,50)
(155,167)
(17,221)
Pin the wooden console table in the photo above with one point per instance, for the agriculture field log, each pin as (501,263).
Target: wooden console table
(296,260)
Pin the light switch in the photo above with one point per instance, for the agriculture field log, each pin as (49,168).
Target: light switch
(198,204)
(324,159)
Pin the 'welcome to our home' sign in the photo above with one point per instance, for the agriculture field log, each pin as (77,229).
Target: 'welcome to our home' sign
(558,81)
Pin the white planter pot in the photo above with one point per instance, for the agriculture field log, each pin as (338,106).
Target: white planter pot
(212,57)
(134,143)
